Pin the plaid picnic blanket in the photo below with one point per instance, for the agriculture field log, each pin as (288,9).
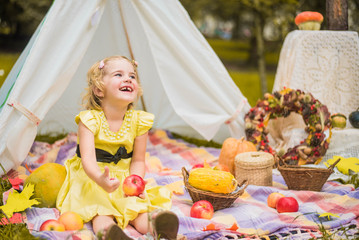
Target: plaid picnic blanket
(335,208)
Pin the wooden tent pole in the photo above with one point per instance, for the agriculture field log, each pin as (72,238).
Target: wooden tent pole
(130,49)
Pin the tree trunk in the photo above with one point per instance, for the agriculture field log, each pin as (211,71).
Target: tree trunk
(260,51)
(252,59)
(337,14)
(235,30)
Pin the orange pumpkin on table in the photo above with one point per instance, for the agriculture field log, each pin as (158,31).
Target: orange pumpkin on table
(309,20)
(230,148)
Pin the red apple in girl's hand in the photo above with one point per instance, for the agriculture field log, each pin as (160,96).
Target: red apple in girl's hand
(273,199)
(133,185)
(202,209)
(287,204)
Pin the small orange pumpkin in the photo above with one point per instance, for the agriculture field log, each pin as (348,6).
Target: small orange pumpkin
(230,148)
(308,16)
(308,20)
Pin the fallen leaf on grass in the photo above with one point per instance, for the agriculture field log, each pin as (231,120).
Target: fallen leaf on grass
(18,202)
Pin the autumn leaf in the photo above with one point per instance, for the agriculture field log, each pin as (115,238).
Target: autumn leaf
(176,187)
(16,218)
(328,215)
(234,227)
(345,164)
(16,182)
(18,202)
(210,227)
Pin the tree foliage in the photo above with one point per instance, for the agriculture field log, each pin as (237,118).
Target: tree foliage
(22,17)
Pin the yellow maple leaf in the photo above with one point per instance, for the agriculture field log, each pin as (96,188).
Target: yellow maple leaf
(18,202)
(345,164)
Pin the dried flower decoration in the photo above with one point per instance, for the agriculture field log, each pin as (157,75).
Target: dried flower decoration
(280,104)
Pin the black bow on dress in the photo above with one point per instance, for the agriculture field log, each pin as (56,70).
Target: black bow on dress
(104,156)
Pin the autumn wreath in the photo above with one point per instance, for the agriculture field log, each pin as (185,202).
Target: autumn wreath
(280,104)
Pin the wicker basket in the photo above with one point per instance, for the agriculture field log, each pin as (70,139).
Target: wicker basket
(254,166)
(218,200)
(306,178)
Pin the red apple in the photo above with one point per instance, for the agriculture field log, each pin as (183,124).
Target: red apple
(52,225)
(273,199)
(202,209)
(199,165)
(287,204)
(133,185)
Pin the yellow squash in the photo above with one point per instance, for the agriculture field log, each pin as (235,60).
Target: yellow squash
(216,181)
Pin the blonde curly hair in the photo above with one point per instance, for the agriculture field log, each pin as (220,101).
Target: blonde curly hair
(95,74)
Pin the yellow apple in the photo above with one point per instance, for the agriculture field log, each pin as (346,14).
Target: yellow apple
(273,199)
(71,221)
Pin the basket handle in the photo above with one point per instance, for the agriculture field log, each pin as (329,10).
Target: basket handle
(282,161)
(245,182)
(185,173)
(331,167)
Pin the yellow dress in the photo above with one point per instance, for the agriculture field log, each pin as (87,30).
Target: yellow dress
(82,195)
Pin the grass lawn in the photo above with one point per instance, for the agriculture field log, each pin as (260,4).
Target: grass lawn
(234,55)
(7,60)
(237,52)
(249,84)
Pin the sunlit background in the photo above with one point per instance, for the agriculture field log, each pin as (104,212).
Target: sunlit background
(232,28)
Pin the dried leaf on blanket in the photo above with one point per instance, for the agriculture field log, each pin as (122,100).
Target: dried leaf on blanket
(176,187)
(214,227)
(154,164)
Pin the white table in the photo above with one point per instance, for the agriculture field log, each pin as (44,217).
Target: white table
(325,64)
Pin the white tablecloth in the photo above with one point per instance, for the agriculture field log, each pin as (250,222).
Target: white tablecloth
(326,64)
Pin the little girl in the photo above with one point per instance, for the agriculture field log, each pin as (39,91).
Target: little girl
(112,140)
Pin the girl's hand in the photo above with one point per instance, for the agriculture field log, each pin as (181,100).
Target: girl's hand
(107,183)
(142,195)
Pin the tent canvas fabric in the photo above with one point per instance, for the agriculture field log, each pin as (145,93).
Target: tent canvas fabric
(185,84)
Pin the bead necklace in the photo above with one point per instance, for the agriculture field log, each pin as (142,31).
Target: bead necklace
(125,126)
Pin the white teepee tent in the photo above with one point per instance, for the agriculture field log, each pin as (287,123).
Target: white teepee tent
(185,84)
